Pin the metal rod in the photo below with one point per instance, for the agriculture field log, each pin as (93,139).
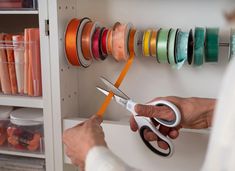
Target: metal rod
(224,44)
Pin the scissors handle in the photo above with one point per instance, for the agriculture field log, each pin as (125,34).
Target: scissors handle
(177,114)
(145,123)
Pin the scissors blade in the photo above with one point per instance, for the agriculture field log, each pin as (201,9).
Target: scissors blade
(114,89)
(118,99)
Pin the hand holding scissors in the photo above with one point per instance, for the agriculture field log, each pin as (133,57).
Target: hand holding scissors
(145,122)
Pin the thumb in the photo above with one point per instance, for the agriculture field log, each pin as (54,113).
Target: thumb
(161,112)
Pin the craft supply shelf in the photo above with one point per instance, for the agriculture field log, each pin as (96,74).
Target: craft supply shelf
(74,87)
(14,22)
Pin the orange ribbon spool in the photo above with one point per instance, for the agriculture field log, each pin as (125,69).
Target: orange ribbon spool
(71,42)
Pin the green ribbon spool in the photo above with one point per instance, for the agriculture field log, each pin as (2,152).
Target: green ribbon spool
(232,44)
(212,45)
(162,43)
(171,46)
(181,48)
(199,42)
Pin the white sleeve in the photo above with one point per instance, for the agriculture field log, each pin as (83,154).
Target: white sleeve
(221,152)
(102,159)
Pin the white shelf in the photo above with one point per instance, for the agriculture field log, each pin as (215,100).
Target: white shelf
(18,12)
(5,150)
(21,101)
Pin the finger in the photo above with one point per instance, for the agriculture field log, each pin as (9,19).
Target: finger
(161,112)
(164,130)
(150,136)
(173,134)
(163,145)
(133,124)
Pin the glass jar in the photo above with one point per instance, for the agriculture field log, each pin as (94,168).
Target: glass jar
(4,121)
(25,131)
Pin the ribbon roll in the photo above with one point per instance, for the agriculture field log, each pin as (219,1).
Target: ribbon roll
(212,45)
(153,43)
(104,39)
(87,33)
(199,50)
(120,39)
(95,44)
(190,47)
(146,42)
(71,42)
(102,55)
(138,43)
(83,61)
(181,48)
(232,44)
(109,42)
(162,43)
(171,46)
(131,42)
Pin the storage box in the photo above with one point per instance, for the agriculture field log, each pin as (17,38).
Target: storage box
(20,66)
(25,130)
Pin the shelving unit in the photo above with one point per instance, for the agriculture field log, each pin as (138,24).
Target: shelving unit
(34,12)
(5,150)
(15,22)
(75,97)
(21,101)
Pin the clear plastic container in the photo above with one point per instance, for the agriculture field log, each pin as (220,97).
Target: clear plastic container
(18,4)
(25,130)
(4,121)
(20,65)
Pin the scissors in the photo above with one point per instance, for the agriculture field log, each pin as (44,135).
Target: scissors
(146,122)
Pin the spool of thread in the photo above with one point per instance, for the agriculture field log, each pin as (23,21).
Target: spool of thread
(199,50)
(146,42)
(153,43)
(162,45)
(95,44)
(212,45)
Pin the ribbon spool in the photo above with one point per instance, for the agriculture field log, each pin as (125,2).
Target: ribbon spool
(190,47)
(181,48)
(172,46)
(71,42)
(162,45)
(199,50)
(153,43)
(102,54)
(95,43)
(146,42)
(87,34)
(83,61)
(110,42)
(119,41)
(104,39)
(212,45)
(232,44)
(131,42)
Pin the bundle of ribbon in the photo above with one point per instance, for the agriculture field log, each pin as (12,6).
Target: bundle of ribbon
(86,40)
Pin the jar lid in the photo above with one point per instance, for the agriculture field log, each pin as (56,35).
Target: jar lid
(27,117)
(5,112)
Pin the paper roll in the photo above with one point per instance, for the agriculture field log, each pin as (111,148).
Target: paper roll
(4,74)
(18,43)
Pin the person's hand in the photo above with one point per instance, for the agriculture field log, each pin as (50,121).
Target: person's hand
(196,114)
(81,138)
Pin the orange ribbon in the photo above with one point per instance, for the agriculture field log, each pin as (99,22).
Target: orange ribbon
(121,77)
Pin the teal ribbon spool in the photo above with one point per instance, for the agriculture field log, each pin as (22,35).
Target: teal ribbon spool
(162,43)
(212,45)
(181,48)
(232,44)
(199,48)
(171,46)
